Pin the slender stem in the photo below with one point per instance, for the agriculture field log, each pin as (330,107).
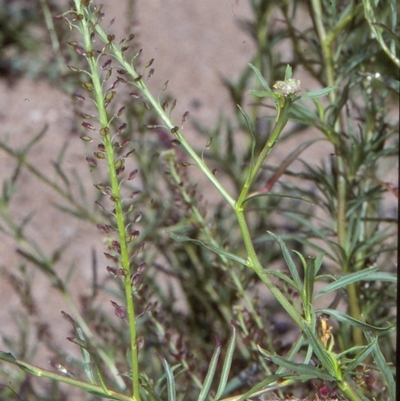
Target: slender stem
(94,388)
(115,190)
(349,391)
(256,266)
(328,63)
(280,124)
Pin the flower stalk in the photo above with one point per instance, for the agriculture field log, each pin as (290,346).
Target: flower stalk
(100,102)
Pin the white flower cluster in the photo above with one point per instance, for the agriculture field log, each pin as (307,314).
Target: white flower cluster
(289,88)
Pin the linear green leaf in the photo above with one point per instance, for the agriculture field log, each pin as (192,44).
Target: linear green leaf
(289,261)
(260,77)
(219,251)
(255,391)
(171,392)
(360,357)
(317,93)
(345,318)
(282,276)
(346,280)
(309,278)
(210,374)
(308,371)
(227,364)
(383,367)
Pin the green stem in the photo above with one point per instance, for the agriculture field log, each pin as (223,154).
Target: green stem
(94,388)
(348,391)
(283,118)
(256,266)
(328,63)
(116,195)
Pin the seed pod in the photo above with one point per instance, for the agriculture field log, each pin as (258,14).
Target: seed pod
(138,217)
(73,68)
(134,194)
(92,162)
(99,155)
(119,163)
(120,112)
(80,50)
(102,228)
(88,126)
(106,64)
(88,86)
(112,270)
(132,174)
(121,128)
(111,257)
(104,131)
(79,97)
(185,116)
(86,138)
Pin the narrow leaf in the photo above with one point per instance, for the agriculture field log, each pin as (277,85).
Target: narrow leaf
(317,93)
(344,281)
(344,318)
(289,261)
(260,77)
(227,364)
(309,278)
(263,94)
(309,371)
(210,375)
(288,72)
(383,367)
(219,251)
(318,262)
(260,389)
(252,133)
(8,357)
(171,392)
(282,276)
(360,357)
